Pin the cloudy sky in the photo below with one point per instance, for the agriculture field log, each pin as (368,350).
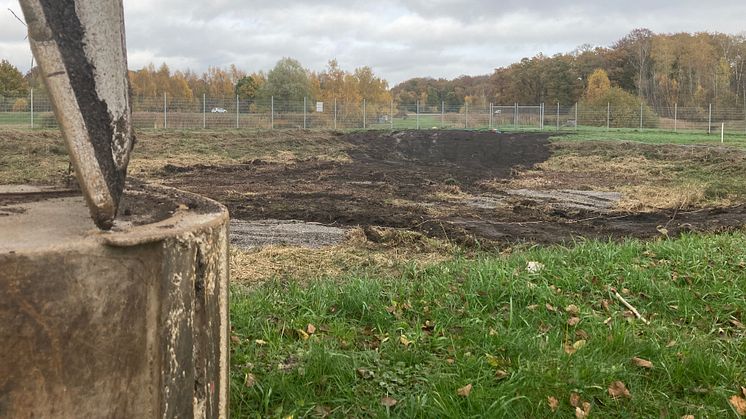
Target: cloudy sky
(399,39)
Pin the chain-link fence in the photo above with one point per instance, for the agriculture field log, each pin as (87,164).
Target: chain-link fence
(234,113)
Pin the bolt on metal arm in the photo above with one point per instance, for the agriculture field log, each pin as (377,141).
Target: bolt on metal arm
(81,51)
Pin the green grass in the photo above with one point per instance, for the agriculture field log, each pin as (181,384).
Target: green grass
(468,319)
(656,137)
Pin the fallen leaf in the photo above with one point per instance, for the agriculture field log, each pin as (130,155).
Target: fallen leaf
(553,403)
(688,417)
(551,308)
(310,329)
(533,307)
(302,334)
(500,374)
(642,363)
(738,403)
(365,374)
(260,342)
(572,310)
(573,321)
(493,332)
(671,344)
(235,339)
(743,391)
(737,324)
(492,360)
(450,361)
(617,389)
(322,411)
(582,334)
(584,412)
(575,400)
(534,267)
(389,401)
(605,304)
(250,380)
(404,341)
(465,390)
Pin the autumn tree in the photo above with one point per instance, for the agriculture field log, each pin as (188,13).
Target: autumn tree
(286,82)
(12,83)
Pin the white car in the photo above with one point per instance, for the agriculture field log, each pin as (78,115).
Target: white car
(218,110)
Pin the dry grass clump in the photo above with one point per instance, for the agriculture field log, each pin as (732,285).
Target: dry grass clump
(642,198)
(380,251)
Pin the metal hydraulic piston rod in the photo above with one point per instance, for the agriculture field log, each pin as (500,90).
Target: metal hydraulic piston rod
(80,49)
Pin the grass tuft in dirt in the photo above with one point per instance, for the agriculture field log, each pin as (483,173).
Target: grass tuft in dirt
(532,334)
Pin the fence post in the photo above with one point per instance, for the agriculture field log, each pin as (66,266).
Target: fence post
(442,114)
(165,112)
(237,111)
(675,117)
(391,115)
(577,105)
(608,116)
(272,113)
(515,116)
(641,104)
(558,112)
(32,108)
(709,121)
(365,115)
(204,111)
(335,113)
(491,116)
(466,113)
(305,100)
(418,114)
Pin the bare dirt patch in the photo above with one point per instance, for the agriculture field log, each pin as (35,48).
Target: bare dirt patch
(468,186)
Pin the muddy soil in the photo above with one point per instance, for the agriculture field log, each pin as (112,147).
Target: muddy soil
(441,183)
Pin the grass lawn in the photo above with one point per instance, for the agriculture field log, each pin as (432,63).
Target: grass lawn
(486,337)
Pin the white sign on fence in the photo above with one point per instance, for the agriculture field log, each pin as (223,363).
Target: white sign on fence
(319,106)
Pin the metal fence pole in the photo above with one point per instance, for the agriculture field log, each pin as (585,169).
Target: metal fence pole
(32,108)
(165,112)
(709,121)
(335,113)
(204,111)
(237,111)
(365,115)
(515,116)
(391,115)
(675,117)
(608,115)
(466,113)
(641,104)
(491,113)
(418,114)
(577,105)
(272,113)
(305,100)
(442,114)
(558,112)
(541,116)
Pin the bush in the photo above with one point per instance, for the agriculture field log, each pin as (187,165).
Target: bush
(625,110)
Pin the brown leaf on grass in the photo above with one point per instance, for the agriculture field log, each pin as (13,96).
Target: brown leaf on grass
(302,334)
(739,404)
(405,341)
(617,389)
(743,391)
(249,380)
(737,324)
(260,342)
(553,403)
(388,401)
(582,334)
(365,374)
(575,400)
(310,329)
(642,363)
(533,307)
(572,348)
(500,374)
(465,390)
(450,361)
(605,304)
(688,417)
(322,411)
(572,310)
(573,321)
(551,308)
(235,339)
(584,412)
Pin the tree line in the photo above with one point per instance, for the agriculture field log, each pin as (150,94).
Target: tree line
(659,70)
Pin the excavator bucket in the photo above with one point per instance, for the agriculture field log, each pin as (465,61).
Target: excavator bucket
(80,49)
